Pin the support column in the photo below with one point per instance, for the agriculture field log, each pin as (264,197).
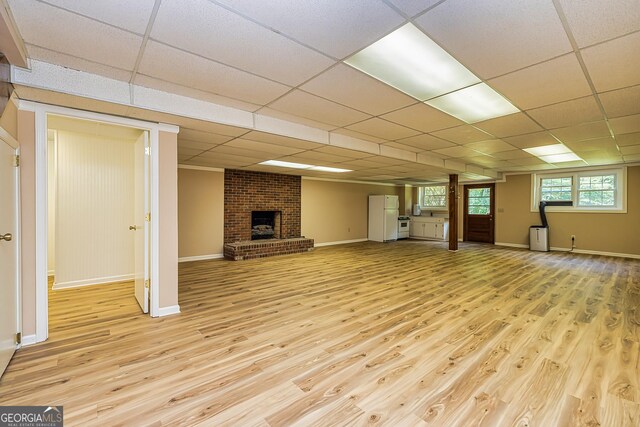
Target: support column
(453,212)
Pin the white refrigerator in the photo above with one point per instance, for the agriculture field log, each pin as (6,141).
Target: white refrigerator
(383,218)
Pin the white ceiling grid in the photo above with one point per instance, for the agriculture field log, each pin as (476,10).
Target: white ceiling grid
(569,66)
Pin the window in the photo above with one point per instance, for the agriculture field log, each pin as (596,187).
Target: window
(597,190)
(556,189)
(433,197)
(588,190)
(479,201)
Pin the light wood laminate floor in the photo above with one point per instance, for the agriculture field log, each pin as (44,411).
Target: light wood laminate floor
(403,333)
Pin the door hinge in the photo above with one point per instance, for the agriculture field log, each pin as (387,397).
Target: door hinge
(146,283)
(147,151)
(147,217)
(16,160)
(19,338)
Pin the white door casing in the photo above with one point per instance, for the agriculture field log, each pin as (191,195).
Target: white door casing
(9,295)
(141,227)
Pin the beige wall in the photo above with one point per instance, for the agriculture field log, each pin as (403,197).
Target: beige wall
(9,119)
(338,211)
(168,219)
(200,213)
(605,232)
(27,138)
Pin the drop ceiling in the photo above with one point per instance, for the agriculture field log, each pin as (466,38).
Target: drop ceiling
(569,67)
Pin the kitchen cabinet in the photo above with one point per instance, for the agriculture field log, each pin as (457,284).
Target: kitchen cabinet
(429,228)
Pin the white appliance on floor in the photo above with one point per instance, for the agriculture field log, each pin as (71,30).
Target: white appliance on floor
(403,227)
(383,218)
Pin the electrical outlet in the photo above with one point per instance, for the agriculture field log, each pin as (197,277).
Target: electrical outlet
(573,237)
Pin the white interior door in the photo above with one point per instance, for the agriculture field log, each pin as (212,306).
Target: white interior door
(141,226)
(8,255)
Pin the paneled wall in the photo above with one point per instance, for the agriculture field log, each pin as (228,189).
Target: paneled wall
(94,208)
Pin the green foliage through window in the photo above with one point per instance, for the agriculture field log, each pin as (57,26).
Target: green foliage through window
(433,196)
(553,189)
(598,190)
(479,201)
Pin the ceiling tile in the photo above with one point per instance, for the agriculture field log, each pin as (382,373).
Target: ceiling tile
(355,89)
(423,118)
(383,129)
(267,111)
(614,64)
(196,145)
(581,110)
(527,161)
(165,86)
(621,102)
(207,75)
(474,33)
(628,139)
(303,104)
(557,80)
(236,159)
(536,139)
(413,7)
(285,141)
(358,135)
(337,28)
(188,151)
(582,132)
(263,147)
(458,152)
(511,125)
(199,136)
(628,124)
(490,146)
(630,149)
(316,158)
(598,144)
(426,142)
(404,147)
(594,21)
(337,151)
(600,157)
(512,154)
(212,31)
(462,134)
(129,15)
(48,27)
(75,63)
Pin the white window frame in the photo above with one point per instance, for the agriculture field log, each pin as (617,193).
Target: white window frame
(620,197)
(433,208)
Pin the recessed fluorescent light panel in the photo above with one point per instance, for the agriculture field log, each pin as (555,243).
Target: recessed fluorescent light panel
(410,61)
(474,104)
(556,153)
(303,166)
(547,150)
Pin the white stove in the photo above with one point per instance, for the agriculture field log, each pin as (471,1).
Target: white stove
(403,227)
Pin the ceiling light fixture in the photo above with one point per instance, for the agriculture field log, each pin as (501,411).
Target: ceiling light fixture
(556,153)
(410,61)
(281,164)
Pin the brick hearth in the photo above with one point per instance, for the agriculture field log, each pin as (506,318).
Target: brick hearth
(264,248)
(247,191)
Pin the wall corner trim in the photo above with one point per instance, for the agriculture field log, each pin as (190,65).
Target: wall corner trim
(168,311)
(28,340)
(165,127)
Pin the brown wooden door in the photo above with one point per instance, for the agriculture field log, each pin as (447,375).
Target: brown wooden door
(479,212)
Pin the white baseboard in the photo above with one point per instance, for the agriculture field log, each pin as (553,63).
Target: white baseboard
(94,281)
(512,245)
(339,242)
(577,251)
(28,340)
(167,311)
(200,257)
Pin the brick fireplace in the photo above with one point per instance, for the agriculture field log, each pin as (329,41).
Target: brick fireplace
(249,200)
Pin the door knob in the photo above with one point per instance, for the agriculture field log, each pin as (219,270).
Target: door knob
(6,237)
(133,227)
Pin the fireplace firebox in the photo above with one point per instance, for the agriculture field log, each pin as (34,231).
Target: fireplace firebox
(265,225)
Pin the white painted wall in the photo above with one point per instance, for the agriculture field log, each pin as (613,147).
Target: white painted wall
(94,208)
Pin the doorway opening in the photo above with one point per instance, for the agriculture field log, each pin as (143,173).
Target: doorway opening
(98,200)
(479,213)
